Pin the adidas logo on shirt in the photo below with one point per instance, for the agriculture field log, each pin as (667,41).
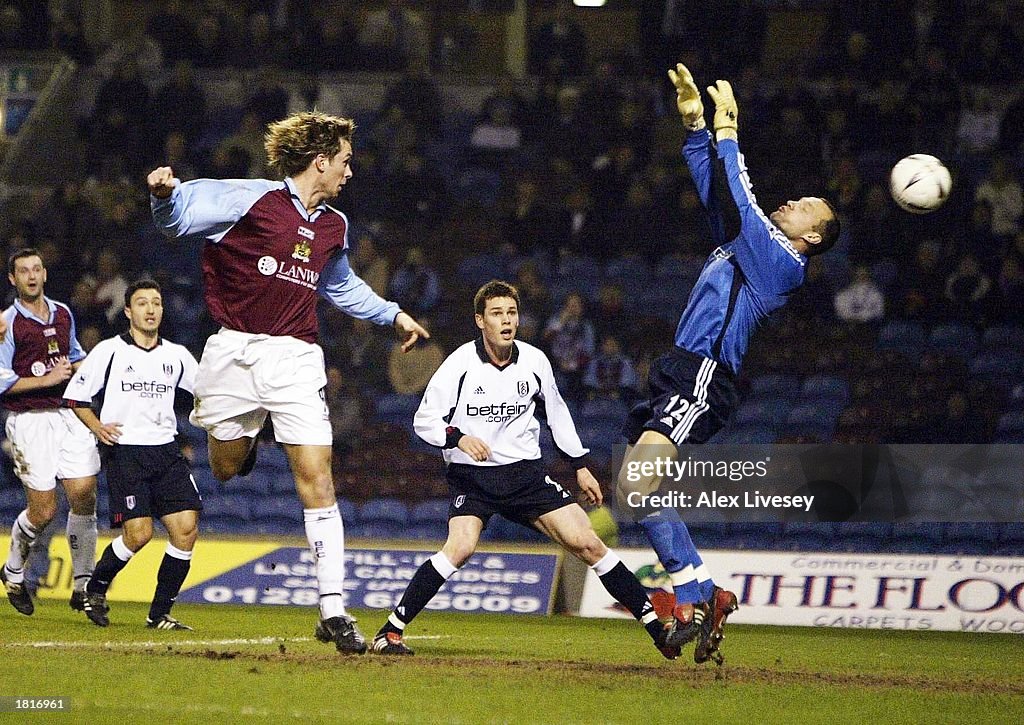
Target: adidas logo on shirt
(130,369)
(479,390)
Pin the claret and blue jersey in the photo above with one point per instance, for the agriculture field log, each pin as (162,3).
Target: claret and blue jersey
(746,277)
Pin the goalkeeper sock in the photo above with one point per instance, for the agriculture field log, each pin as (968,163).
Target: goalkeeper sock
(627,591)
(426,582)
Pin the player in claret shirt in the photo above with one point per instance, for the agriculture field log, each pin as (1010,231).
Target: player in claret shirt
(272,249)
(481,409)
(37,355)
(137,375)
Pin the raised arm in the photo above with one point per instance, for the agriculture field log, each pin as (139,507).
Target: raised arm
(205,206)
(344,289)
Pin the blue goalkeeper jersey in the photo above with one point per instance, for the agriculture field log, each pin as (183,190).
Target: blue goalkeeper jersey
(745,278)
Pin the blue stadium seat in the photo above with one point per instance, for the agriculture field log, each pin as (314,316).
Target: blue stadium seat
(478,185)
(604,409)
(917,536)
(281,482)
(190,432)
(825,387)
(782,385)
(225,525)
(996,366)
(400,404)
(1003,337)
(769,412)
(347,509)
(205,481)
(272,457)
(257,482)
(235,506)
(376,530)
(1011,422)
(501,529)
(476,270)
(905,337)
(956,339)
(285,508)
(431,511)
(815,419)
(276,527)
(627,271)
(427,532)
(390,510)
(751,434)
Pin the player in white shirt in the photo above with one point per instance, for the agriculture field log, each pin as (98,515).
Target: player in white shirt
(481,409)
(137,376)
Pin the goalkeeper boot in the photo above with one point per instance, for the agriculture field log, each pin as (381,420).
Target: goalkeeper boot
(712,631)
(95,608)
(390,643)
(685,625)
(17,594)
(343,632)
(166,622)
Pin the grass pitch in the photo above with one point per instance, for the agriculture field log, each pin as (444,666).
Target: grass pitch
(262,664)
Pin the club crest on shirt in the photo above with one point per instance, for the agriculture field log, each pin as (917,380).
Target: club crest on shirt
(168,370)
(459,500)
(524,387)
(52,347)
(129,502)
(302,251)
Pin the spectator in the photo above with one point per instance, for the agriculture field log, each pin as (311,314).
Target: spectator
(415,192)
(417,95)
(1003,193)
(248,139)
(495,139)
(1011,129)
(179,105)
(529,221)
(923,285)
(935,99)
(171,28)
(345,409)
(371,267)
(269,100)
(360,352)
(862,300)
(967,289)
(611,374)
(979,123)
(569,335)
(415,286)
(89,336)
(558,47)
(410,372)
(109,286)
(394,38)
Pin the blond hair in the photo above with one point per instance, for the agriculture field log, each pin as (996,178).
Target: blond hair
(294,142)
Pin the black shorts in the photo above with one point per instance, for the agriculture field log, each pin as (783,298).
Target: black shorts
(149,481)
(521,492)
(691,399)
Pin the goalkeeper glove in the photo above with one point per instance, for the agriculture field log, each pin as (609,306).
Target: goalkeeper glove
(687,98)
(726,110)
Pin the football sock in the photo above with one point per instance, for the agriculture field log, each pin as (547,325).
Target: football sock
(173,570)
(22,536)
(659,528)
(627,591)
(81,533)
(114,558)
(705,583)
(326,535)
(426,582)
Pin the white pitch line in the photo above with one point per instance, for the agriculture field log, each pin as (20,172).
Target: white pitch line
(179,642)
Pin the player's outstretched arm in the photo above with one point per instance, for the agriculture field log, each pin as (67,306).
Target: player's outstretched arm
(411,330)
(688,101)
(726,111)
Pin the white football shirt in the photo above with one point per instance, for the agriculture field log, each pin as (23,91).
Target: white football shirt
(470,395)
(137,387)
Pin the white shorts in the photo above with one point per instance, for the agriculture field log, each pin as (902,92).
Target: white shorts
(242,377)
(51,444)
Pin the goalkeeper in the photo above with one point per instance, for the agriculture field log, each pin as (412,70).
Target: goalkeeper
(757,262)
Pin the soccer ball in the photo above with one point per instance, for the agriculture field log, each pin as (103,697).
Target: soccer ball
(920,183)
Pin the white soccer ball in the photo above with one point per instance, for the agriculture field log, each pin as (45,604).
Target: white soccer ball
(920,183)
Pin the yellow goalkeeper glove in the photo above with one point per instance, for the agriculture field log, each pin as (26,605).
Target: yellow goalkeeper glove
(726,110)
(687,98)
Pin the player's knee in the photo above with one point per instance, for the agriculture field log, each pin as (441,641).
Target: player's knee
(83,503)
(41,513)
(587,547)
(135,540)
(458,552)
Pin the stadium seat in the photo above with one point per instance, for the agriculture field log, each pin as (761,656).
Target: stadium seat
(604,409)
(285,508)
(626,271)
(825,387)
(427,532)
(904,337)
(257,482)
(281,482)
(998,338)
(431,511)
(205,481)
(392,404)
(376,530)
(917,536)
(235,506)
(390,510)
(347,509)
(501,529)
(815,419)
(272,457)
(1000,367)
(1011,422)
(782,385)
(751,434)
(478,269)
(767,410)
(955,339)
(276,527)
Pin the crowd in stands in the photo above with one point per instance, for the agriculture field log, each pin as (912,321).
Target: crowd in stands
(570,183)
